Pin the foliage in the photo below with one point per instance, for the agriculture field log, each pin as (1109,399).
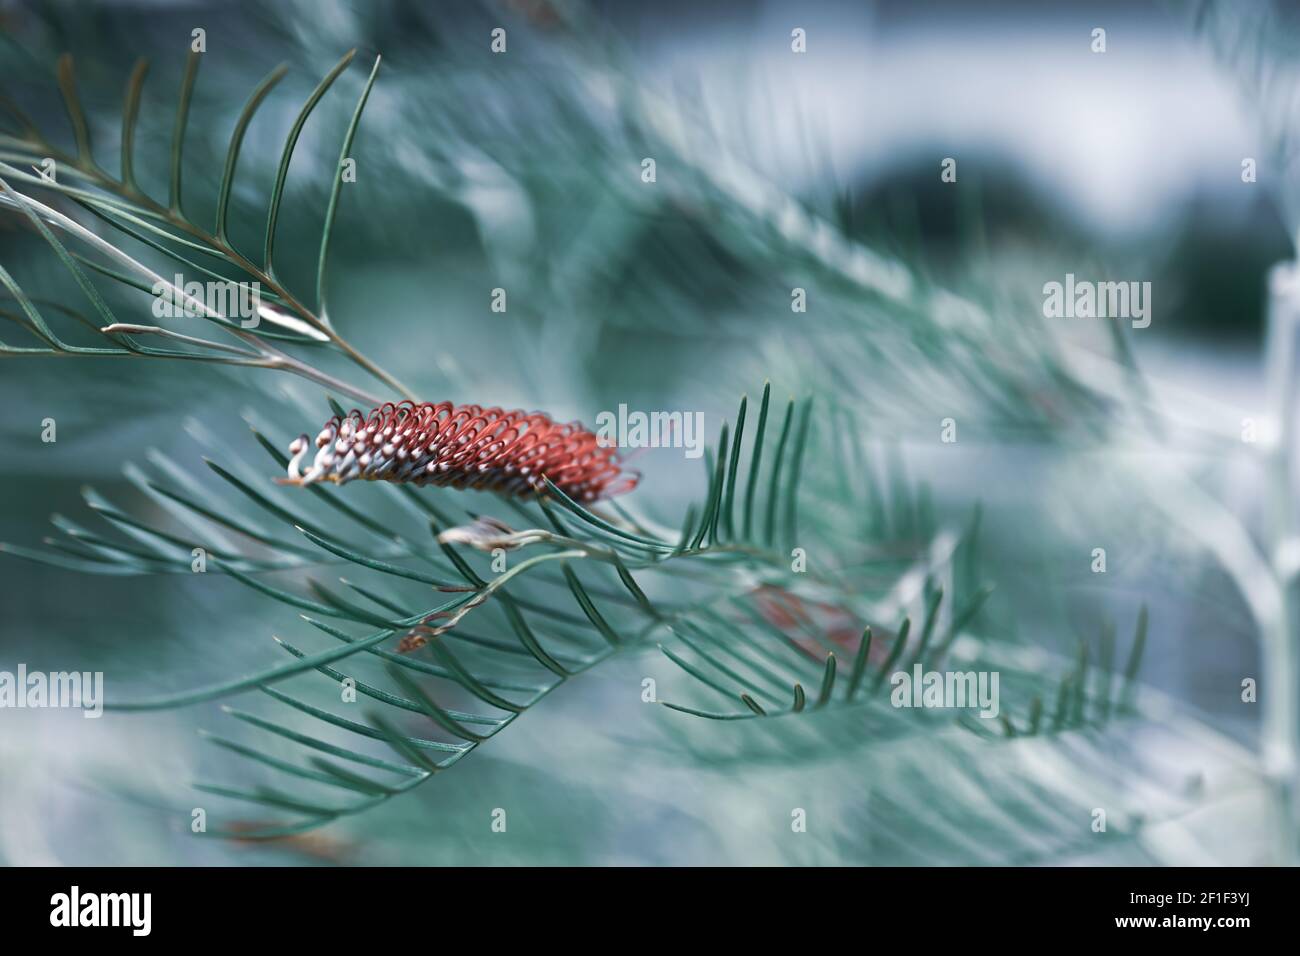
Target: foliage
(444,649)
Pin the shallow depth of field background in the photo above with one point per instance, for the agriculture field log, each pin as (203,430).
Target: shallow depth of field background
(1124,165)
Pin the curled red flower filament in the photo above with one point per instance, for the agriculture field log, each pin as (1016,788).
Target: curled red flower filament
(461,446)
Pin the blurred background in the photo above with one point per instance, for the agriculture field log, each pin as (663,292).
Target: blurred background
(774,170)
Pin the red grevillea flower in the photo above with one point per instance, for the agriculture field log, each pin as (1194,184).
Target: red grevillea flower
(462,446)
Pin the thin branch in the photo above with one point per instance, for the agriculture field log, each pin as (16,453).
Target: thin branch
(129,329)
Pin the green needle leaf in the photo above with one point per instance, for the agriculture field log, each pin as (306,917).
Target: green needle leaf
(1128,693)
(756,459)
(895,651)
(728,501)
(130,113)
(332,209)
(1035,715)
(72,102)
(927,629)
(796,464)
(277,193)
(236,142)
(589,608)
(178,132)
(436,713)
(708,522)
(828,682)
(859,663)
(774,483)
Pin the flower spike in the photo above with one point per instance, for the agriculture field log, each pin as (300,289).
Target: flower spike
(461,446)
